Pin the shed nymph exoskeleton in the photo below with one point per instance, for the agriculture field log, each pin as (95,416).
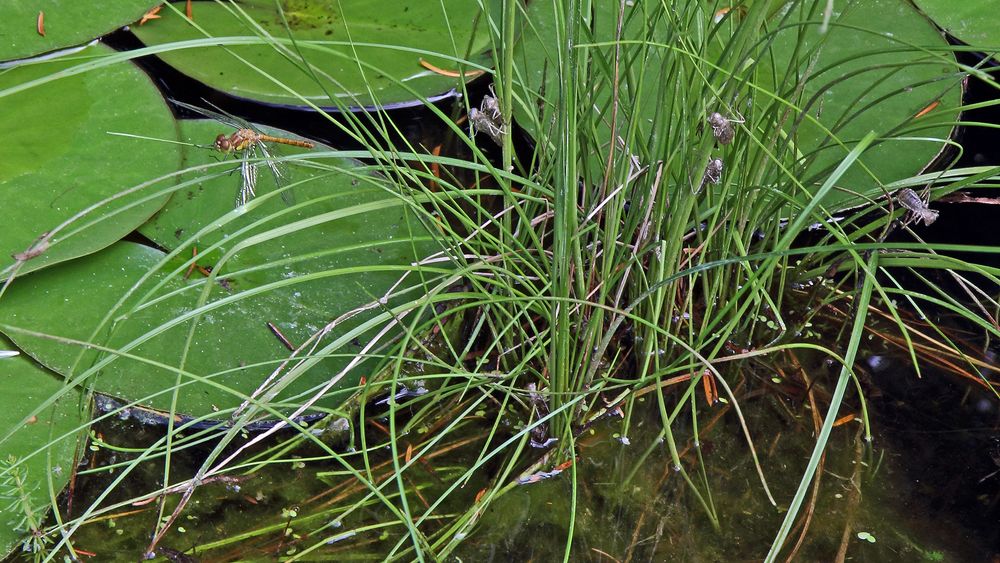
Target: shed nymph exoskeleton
(713,172)
(722,127)
(488,118)
(917,206)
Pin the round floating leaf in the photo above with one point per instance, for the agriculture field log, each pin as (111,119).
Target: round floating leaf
(347,52)
(971,21)
(63,23)
(536,62)
(881,67)
(858,77)
(36,453)
(343,245)
(60,157)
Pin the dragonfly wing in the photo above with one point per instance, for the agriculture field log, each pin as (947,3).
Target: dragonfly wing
(230,120)
(248,185)
(276,171)
(287,196)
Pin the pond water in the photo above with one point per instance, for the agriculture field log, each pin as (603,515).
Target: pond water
(922,491)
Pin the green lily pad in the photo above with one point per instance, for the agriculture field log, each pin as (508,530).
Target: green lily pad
(973,22)
(65,24)
(268,268)
(38,451)
(865,77)
(359,54)
(59,157)
(868,77)
(535,61)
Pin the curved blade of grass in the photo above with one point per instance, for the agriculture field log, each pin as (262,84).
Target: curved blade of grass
(846,374)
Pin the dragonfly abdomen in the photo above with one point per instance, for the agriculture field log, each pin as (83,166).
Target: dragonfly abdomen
(243,139)
(284,141)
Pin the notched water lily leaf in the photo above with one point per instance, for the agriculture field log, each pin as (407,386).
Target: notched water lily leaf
(35,450)
(60,157)
(358,54)
(279,274)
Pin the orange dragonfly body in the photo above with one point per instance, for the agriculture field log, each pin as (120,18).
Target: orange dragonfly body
(242,139)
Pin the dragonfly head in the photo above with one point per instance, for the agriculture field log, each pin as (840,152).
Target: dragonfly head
(223,144)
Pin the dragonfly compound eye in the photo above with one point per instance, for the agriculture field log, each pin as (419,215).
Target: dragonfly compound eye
(222,143)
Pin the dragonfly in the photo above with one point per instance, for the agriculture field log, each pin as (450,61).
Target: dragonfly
(248,144)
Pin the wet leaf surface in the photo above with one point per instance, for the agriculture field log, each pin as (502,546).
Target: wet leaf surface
(878,69)
(972,21)
(356,56)
(858,78)
(42,445)
(345,242)
(63,23)
(60,157)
